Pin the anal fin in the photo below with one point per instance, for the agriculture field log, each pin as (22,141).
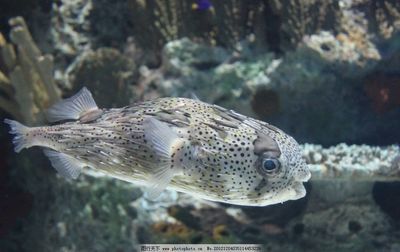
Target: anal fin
(65,165)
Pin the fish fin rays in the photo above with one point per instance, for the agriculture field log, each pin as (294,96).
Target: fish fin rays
(65,165)
(159,182)
(162,138)
(21,139)
(73,108)
(193,96)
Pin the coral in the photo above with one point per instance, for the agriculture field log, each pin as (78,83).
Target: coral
(194,230)
(387,17)
(355,23)
(162,18)
(173,233)
(342,48)
(224,23)
(239,20)
(358,163)
(70,28)
(353,27)
(222,234)
(7,104)
(30,75)
(278,25)
(184,215)
(299,18)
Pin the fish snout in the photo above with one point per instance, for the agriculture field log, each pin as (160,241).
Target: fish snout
(303,175)
(299,189)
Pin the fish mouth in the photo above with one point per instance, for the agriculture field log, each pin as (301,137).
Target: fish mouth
(293,191)
(303,176)
(298,189)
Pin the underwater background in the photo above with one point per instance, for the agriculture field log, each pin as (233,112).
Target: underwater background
(326,72)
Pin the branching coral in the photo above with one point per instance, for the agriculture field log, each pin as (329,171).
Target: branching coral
(235,20)
(278,24)
(162,19)
(299,18)
(226,22)
(6,89)
(27,84)
(355,163)
(387,15)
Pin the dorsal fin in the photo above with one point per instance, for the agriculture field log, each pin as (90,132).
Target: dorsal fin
(193,96)
(74,108)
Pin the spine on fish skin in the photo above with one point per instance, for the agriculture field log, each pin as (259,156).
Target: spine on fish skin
(22,137)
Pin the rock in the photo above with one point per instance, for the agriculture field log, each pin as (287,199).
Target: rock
(383,90)
(104,71)
(182,55)
(387,197)
(345,226)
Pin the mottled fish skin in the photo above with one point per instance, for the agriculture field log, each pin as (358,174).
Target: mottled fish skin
(218,154)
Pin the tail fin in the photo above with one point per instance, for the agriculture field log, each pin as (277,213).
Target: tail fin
(20,131)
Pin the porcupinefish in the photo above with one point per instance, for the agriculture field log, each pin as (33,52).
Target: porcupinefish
(183,144)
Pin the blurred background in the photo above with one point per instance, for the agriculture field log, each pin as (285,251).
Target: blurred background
(326,72)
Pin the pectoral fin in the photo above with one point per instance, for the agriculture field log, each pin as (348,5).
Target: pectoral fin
(159,182)
(164,141)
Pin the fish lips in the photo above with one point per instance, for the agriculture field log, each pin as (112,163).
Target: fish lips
(295,190)
(297,186)
(301,173)
(298,190)
(303,176)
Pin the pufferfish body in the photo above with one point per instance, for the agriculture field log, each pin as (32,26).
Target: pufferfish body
(183,144)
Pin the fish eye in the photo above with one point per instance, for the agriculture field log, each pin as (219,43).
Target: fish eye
(270,164)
